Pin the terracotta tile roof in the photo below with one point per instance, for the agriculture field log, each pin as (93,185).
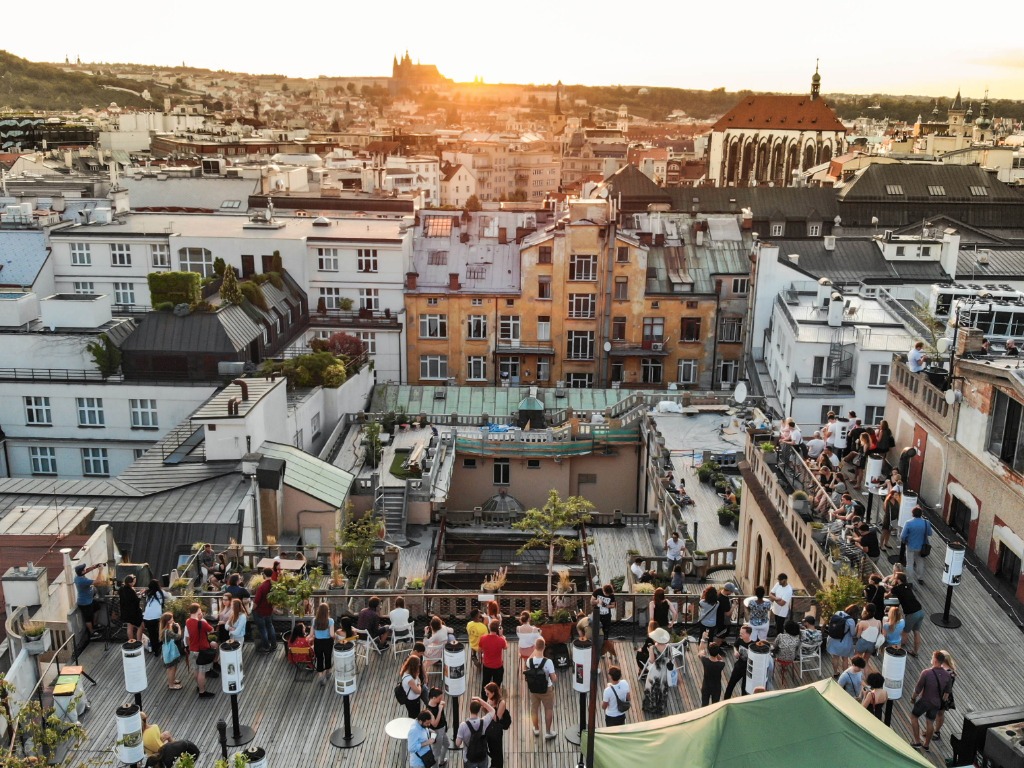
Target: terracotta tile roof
(782,112)
(43,550)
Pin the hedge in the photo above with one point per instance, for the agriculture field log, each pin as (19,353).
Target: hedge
(174,287)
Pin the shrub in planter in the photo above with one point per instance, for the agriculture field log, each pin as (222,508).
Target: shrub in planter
(706,470)
(727,514)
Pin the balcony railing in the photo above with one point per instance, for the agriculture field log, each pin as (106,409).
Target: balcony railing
(367,318)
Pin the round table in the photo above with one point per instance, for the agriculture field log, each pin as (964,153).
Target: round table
(399,729)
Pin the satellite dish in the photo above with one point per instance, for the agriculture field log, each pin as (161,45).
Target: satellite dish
(740,393)
(607,346)
(953,396)
(943,345)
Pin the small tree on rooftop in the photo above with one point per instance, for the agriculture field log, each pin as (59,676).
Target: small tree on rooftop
(546,527)
(230,293)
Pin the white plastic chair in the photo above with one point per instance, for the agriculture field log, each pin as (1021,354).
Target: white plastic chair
(365,645)
(403,635)
(810,658)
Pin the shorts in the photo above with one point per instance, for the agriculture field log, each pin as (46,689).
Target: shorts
(194,657)
(921,708)
(88,611)
(913,621)
(613,720)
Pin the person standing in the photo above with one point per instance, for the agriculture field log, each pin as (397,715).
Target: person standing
(927,699)
(739,666)
(759,609)
(915,536)
(496,730)
(170,635)
(913,611)
(947,702)
(616,693)
(875,696)
(542,698)
(412,686)
(675,547)
(420,740)
(492,657)
(476,629)
(263,613)
(605,601)
(782,599)
(84,596)
(438,723)
(840,631)
(131,608)
(658,661)
(322,634)
(661,609)
(153,609)
(852,678)
(714,665)
(472,733)
(202,652)
(723,616)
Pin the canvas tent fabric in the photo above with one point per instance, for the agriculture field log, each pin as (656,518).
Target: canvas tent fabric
(778,729)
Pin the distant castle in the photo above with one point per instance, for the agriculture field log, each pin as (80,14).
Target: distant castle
(405,74)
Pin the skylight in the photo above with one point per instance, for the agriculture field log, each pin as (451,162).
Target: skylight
(437,226)
(979,191)
(893,189)
(937,191)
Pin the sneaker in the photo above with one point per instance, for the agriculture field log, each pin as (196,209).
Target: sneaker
(936,736)
(551,735)
(925,748)
(536,732)
(207,695)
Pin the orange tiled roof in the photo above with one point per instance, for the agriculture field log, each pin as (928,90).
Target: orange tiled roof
(782,112)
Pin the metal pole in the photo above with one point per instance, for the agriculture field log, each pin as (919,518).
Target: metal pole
(222,737)
(138,696)
(455,717)
(944,620)
(240,734)
(887,719)
(595,659)
(696,530)
(347,737)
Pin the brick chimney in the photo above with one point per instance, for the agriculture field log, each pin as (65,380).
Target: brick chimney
(453,281)
(968,340)
(410,280)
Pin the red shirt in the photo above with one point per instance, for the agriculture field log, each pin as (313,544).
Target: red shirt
(261,605)
(198,634)
(492,649)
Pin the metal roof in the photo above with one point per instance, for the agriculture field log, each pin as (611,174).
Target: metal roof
(959,183)
(789,203)
(226,331)
(497,401)
(312,476)
(22,255)
(856,260)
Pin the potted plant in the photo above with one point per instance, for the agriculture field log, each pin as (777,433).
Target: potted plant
(770,454)
(45,737)
(706,470)
(548,527)
(179,585)
(798,500)
(555,627)
(36,636)
(726,514)
(312,551)
(818,532)
(186,760)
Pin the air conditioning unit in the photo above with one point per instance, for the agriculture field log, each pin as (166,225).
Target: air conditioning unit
(983,257)
(440,394)
(657,346)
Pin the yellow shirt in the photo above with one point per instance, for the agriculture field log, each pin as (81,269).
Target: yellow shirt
(151,741)
(476,630)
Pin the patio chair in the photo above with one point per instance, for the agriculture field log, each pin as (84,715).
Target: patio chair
(301,657)
(405,636)
(365,644)
(810,658)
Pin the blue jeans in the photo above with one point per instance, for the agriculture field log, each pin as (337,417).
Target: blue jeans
(265,625)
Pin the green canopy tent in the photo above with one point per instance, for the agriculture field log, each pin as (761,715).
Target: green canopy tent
(815,724)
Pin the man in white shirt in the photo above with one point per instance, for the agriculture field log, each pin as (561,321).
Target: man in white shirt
(815,446)
(782,598)
(640,574)
(916,358)
(538,661)
(616,691)
(674,549)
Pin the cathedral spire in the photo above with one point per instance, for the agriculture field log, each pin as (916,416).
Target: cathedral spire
(558,98)
(815,81)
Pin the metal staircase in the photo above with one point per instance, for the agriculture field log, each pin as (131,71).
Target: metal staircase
(390,503)
(840,360)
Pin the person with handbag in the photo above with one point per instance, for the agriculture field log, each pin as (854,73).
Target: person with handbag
(202,651)
(948,702)
(420,740)
(170,637)
(659,664)
(915,536)
(934,686)
(615,702)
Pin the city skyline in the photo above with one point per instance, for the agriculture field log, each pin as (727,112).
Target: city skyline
(665,45)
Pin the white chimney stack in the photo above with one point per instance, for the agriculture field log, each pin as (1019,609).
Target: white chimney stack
(824,292)
(835,310)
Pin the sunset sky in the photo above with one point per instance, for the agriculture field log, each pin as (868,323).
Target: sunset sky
(881,48)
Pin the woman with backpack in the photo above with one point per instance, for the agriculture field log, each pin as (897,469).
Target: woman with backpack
(947,702)
(411,685)
(496,730)
(840,630)
(759,611)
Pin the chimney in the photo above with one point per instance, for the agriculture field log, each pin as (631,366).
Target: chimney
(453,281)
(410,280)
(502,236)
(968,340)
(794,258)
(732,205)
(835,310)
(747,219)
(824,291)
(244,387)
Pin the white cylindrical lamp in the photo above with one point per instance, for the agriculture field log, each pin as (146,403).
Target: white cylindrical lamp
(953,568)
(454,668)
(345,683)
(581,654)
(231,676)
(873,472)
(894,665)
(133,659)
(129,734)
(758,657)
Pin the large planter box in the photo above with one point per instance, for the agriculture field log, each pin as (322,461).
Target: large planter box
(556,633)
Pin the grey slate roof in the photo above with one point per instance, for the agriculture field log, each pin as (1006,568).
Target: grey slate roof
(22,255)
(856,260)
(916,178)
(789,203)
(311,475)
(1004,264)
(632,184)
(227,331)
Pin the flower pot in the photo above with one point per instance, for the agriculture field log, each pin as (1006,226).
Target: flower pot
(39,644)
(556,633)
(725,520)
(771,458)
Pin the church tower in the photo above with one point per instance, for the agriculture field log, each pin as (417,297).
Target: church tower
(815,82)
(983,125)
(557,121)
(955,116)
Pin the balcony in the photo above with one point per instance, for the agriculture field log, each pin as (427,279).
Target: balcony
(362,318)
(646,348)
(920,394)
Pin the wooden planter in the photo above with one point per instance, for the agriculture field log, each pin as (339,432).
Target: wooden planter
(556,633)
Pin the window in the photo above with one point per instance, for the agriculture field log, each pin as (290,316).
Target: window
(544,288)
(476,327)
(835,408)
(622,254)
(544,254)
(981,191)
(533,463)
(621,289)
(741,286)
(369,339)
(124,293)
(160,255)
(777,229)
(901,250)
(502,471)
(37,411)
(580,345)
(691,304)
(433,326)
(90,411)
(580,380)
(651,370)
(469,463)
(893,189)
(1005,431)
(95,462)
(477,368)
(331,297)
(143,413)
(729,330)
(582,306)
(878,375)
(1008,569)
(366,260)
(369,298)
(728,370)
(543,370)
(654,329)
(433,366)
(508,367)
(314,425)
(85,288)
(960,518)
(586,478)
(120,255)
(926,252)
(437,258)
(477,302)
(936,191)
(43,460)
(813,230)
(690,329)
(231,205)
(199,260)
(543,328)
(432,302)
(618,369)
(327,259)
(873,415)
(618,329)
(686,372)
(80,255)
(582,267)
(509,329)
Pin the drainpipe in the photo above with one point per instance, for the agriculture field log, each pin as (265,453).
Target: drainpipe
(714,331)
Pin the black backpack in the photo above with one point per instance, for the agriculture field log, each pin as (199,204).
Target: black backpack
(476,747)
(837,628)
(536,677)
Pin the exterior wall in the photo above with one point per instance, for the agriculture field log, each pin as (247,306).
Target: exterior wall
(744,156)
(299,510)
(457,190)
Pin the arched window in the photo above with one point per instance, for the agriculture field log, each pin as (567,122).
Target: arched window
(758,552)
(808,156)
(768,569)
(198,260)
